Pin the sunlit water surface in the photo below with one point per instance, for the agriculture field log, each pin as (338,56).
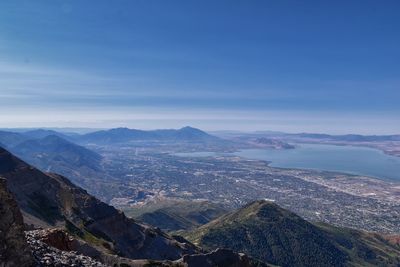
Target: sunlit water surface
(347,159)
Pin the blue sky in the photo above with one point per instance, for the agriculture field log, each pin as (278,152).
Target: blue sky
(318,66)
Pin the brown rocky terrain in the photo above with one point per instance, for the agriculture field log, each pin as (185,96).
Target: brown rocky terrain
(14,251)
(55,247)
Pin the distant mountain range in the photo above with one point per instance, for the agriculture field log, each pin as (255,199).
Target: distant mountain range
(10,139)
(111,136)
(67,155)
(342,137)
(123,135)
(316,136)
(46,151)
(271,234)
(42,133)
(349,137)
(54,153)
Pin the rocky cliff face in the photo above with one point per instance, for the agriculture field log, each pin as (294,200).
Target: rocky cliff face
(218,257)
(49,200)
(14,250)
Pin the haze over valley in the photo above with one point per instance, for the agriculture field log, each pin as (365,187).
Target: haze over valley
(130,168)
(199,133)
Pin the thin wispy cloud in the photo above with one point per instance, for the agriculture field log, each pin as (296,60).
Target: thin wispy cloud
(246,67)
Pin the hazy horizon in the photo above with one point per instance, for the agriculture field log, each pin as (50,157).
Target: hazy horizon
(247,66)
(84,130)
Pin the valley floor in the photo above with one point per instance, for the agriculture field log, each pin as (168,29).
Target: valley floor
(340,199)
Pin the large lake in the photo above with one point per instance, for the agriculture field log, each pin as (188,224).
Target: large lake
(347,159)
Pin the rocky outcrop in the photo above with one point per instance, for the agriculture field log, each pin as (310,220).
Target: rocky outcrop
(61,240)
(216,258)
(55,247)
(46,255)
(14,250)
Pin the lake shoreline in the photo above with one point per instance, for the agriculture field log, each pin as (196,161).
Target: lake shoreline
(347,159)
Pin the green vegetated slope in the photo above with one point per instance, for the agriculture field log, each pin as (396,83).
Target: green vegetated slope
(269,233)
(173,215)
